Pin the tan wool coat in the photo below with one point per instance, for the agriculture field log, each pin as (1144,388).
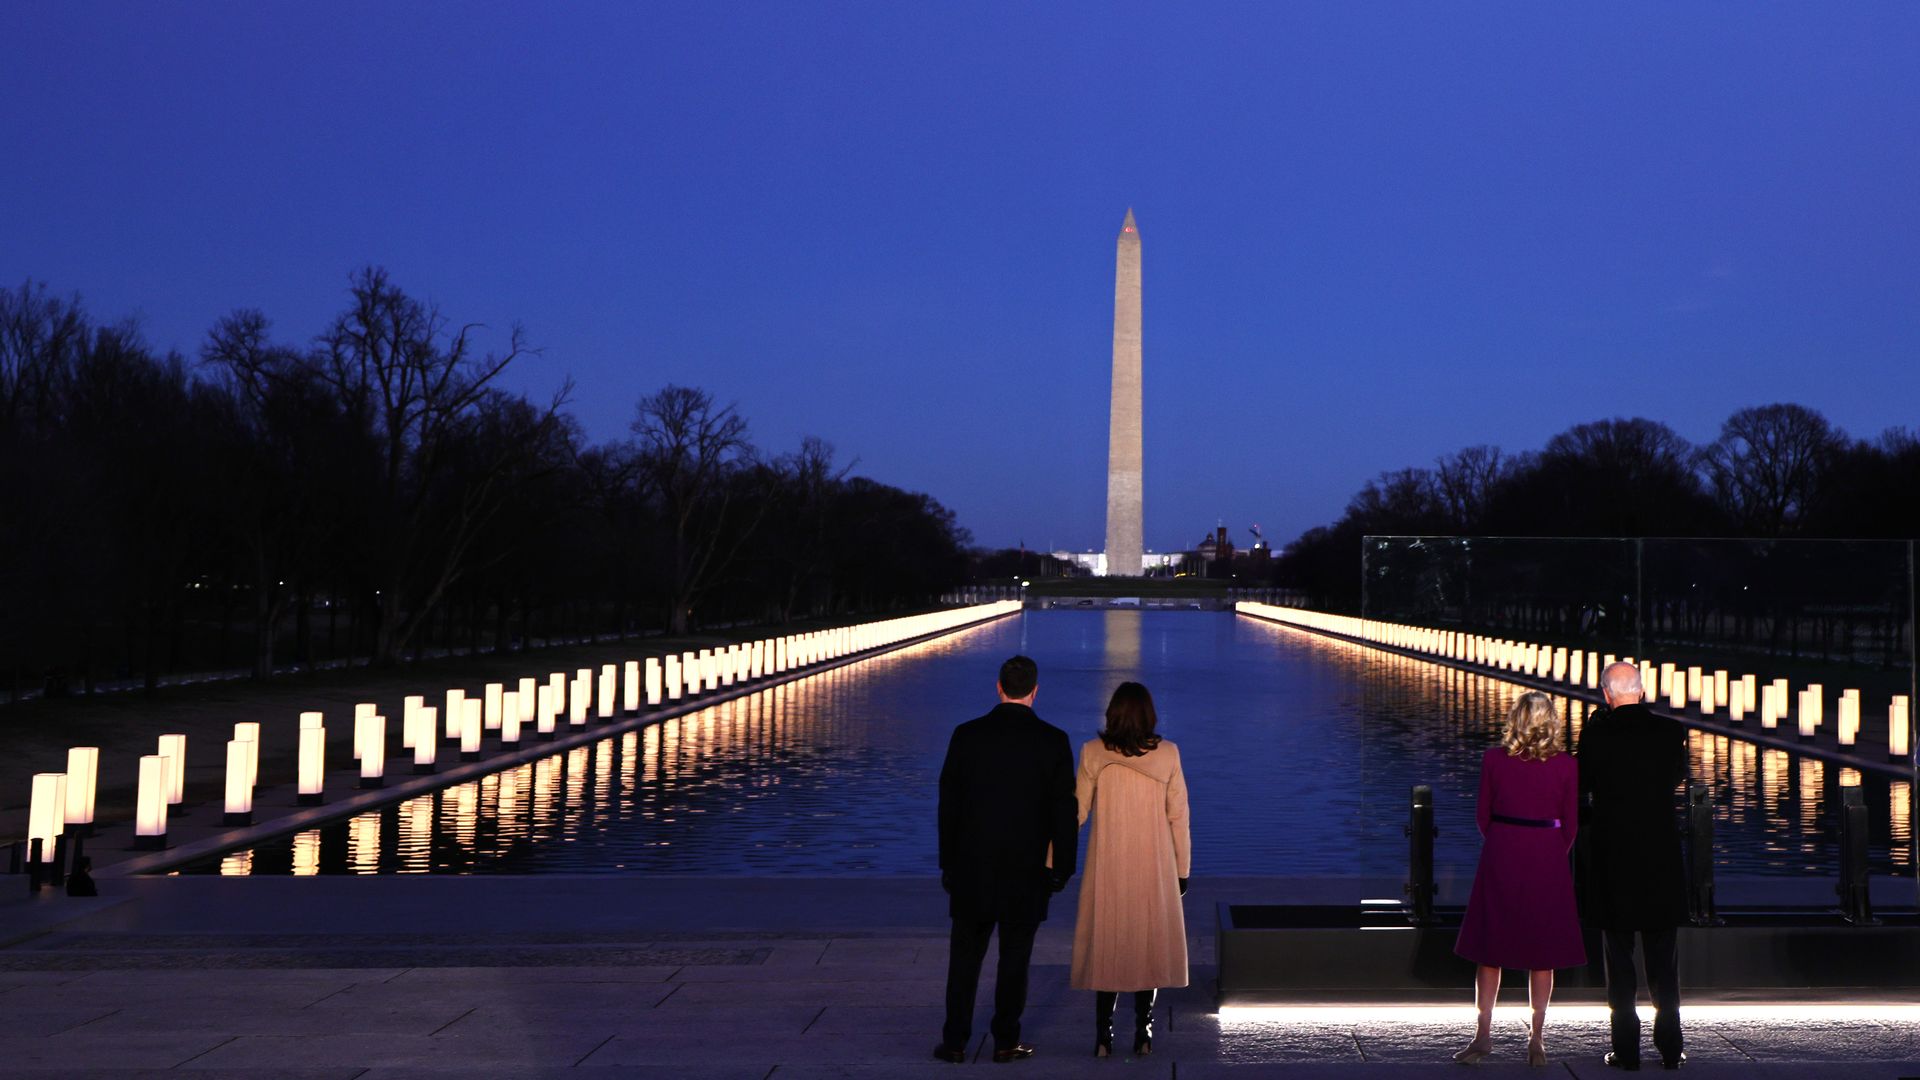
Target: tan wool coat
(1131,934)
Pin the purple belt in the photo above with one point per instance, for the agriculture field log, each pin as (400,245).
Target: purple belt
(1527,822)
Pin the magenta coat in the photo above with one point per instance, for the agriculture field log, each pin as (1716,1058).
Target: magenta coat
(1521,914)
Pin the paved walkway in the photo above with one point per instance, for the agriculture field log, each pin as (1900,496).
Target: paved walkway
(701,978)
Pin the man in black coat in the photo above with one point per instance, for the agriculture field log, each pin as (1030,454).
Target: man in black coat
(1631,761)
(1009,835)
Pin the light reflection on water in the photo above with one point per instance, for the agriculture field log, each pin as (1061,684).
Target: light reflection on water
(1299,751)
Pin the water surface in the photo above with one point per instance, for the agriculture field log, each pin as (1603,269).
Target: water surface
(1299,750)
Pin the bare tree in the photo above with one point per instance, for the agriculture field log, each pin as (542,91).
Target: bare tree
(1464,480)
(696,457)
(808,480)
(284,459)
(41,338)
(1767,465)
(1401,501)
(416,383)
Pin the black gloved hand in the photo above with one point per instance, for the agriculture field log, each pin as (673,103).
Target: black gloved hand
(1060,879)
(1183,886)
(946,882)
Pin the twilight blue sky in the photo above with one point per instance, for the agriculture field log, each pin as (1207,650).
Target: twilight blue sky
(1373,233)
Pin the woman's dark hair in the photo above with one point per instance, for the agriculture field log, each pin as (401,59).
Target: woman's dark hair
(1130,721)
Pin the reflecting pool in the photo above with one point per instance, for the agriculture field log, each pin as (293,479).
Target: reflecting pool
(1299,751)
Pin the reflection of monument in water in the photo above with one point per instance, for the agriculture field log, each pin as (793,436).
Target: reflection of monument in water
(1120,646)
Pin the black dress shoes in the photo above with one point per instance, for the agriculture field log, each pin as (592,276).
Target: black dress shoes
(1673,1062)
(943,1052)
(1016,1052)
(1621,1061)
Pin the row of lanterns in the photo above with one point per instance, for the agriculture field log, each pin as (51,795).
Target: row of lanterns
(1708,692)
(63,803)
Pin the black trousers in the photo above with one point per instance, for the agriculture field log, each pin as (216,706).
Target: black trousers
(969,950)
(1660,948)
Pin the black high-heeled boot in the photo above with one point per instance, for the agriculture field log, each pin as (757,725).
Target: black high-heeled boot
(1103,1003)
(1143,1022)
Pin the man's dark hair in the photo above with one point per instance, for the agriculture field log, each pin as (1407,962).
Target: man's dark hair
(1018,677)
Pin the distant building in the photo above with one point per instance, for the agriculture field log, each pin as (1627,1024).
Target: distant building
(1218,558)
(1152,563)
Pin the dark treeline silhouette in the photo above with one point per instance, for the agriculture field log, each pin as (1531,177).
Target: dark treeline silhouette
(1776,472)
(378,494)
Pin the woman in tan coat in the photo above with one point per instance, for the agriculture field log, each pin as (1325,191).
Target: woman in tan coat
(1131,935)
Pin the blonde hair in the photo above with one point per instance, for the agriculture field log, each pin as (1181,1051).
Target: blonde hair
(1533,727)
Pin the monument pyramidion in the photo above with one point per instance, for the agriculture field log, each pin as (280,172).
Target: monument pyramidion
(1125,494)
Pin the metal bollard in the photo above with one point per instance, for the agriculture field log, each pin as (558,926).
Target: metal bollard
(1855,905)
(1700,904)
(1420,888)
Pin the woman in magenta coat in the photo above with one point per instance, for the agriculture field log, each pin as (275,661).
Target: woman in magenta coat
(1521,913)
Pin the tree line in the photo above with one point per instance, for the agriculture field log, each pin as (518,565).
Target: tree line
(377,493)
(1774,472)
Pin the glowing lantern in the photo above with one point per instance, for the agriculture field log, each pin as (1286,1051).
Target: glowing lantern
(47,811)
(491,714)
(676,684)
(313,764)
(150,803)
(1847,722)
(545,712)
(410,720)
(603,705)
(370,735)
(174,749)
(472,727)
(239,806)
(653,682)
(529,701)
(577,703)
(249,733)
(454,710)
(427,747)
(83,774)
(361,712)
(630,686)
(1899,730)
(510,719)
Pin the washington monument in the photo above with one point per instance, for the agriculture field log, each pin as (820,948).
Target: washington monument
(1125,496)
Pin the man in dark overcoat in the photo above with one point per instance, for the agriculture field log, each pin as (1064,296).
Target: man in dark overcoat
(1009,836)
(1631,763)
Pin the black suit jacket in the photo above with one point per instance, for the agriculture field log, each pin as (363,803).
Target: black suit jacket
(1631,762)
(1006,794)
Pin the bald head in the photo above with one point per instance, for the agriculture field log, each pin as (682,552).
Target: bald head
(1620,684)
